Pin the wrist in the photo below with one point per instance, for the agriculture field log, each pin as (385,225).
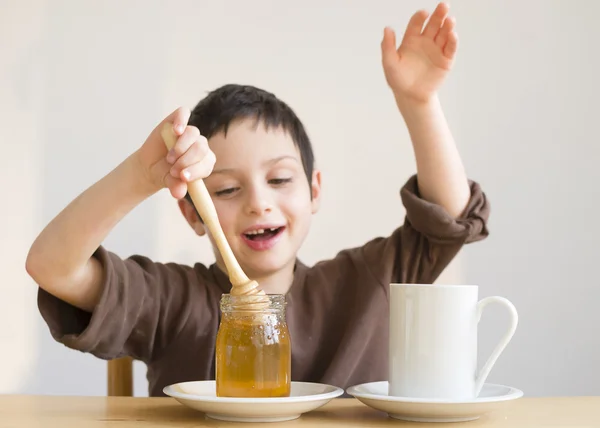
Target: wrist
(409,105)
(138,177)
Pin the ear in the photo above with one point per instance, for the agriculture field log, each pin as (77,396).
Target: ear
(315,188)
(189,212)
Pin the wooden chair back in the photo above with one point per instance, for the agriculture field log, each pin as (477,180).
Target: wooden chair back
(120,377)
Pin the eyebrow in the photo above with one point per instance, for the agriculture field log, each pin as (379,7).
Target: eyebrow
(269,162)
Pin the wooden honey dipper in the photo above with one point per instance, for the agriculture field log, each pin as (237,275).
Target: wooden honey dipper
(241,284)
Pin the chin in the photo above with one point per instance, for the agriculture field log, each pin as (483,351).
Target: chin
(266,265)
(265,269)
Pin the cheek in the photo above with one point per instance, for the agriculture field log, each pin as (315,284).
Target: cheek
(226,210)
(297,206)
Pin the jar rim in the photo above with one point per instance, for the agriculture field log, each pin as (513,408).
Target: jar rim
(274,302)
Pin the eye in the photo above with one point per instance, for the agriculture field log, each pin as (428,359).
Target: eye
(225,192)
(280,181)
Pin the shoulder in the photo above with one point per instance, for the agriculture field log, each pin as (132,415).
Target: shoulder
(141,268)
(347,268)
(190,289)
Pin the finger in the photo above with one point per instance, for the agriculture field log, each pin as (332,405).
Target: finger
(388,44)
(436,20)
(177,187)
(199,170)
(179,118)
(451,45)
(442,37)
(415,24)
(183,143)
(196,153)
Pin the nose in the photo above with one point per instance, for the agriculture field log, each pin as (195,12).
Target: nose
(258,201)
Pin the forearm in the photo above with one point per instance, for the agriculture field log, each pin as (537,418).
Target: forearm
(60,259)
(441,174)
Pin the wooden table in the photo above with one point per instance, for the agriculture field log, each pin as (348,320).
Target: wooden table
(69,412)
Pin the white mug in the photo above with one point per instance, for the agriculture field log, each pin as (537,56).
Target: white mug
(433,340)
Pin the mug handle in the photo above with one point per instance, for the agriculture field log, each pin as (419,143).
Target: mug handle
(514,319)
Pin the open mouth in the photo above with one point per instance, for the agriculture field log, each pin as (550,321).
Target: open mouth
(263,234)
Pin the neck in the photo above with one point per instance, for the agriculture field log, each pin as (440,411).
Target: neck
(277,282)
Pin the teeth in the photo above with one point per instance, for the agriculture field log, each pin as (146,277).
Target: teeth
(260,231)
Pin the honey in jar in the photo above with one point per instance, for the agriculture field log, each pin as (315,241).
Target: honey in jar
(253,349)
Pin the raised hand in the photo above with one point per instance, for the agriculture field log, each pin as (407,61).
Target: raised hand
(416,69)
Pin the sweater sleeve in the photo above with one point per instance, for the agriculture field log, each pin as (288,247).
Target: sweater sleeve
(423,246)
(143,307)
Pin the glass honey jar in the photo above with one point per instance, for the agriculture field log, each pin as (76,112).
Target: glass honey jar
(253,348)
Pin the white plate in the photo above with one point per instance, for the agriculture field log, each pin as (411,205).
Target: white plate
(492,397)
(304,397)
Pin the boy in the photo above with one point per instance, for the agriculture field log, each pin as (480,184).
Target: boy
(258,166)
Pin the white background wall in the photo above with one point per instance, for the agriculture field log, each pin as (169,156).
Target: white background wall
(82,83)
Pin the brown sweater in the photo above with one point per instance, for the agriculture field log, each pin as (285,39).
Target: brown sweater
(167,315)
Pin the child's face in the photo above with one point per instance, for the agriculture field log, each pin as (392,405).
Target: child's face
(262,196)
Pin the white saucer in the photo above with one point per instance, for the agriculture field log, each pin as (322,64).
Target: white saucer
(492,397)
(304,397)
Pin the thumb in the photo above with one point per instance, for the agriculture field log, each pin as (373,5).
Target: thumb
(388,45)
